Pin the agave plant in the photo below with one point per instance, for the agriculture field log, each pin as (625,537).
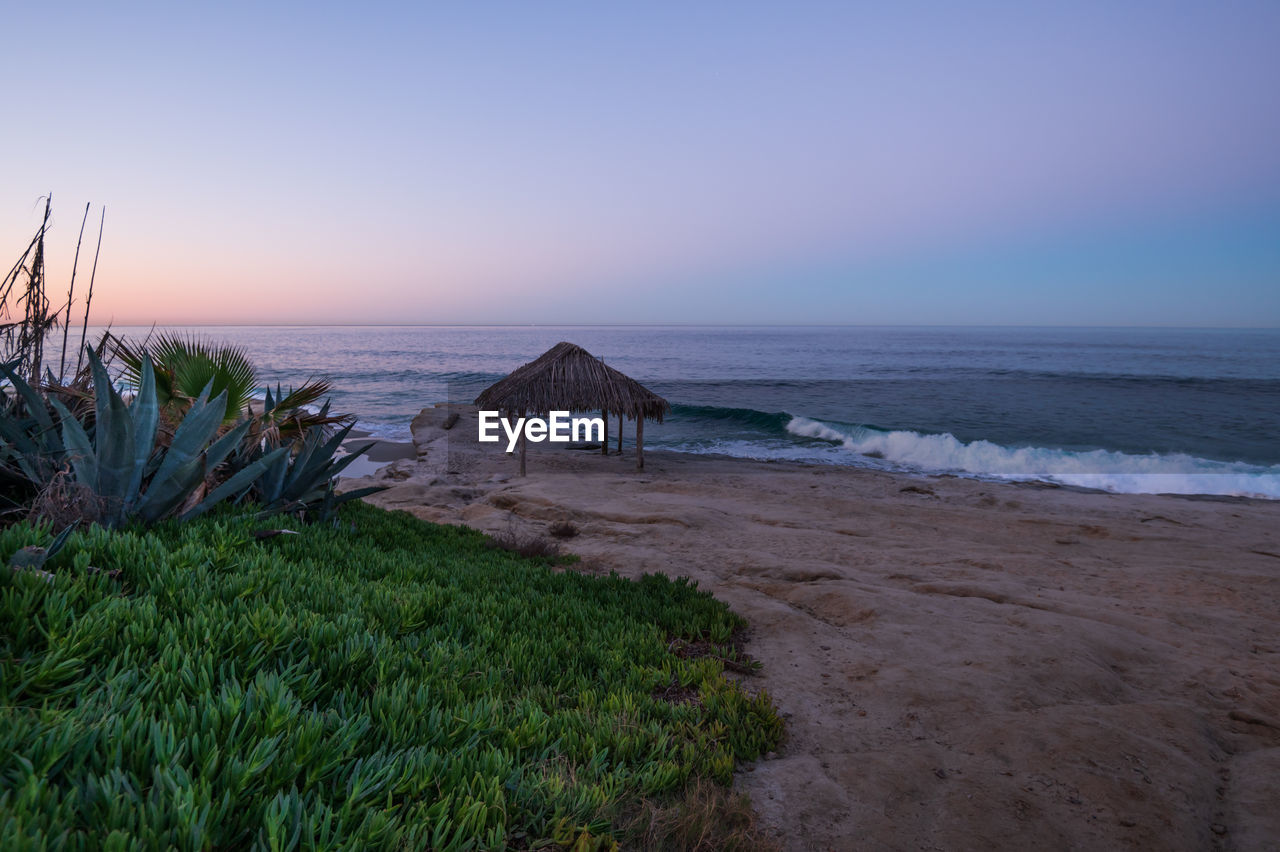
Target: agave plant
(302,483)
(184,365)
(285,458)
(30,441)
(288,416)
(138,479)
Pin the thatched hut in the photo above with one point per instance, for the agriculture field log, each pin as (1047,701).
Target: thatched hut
(569,378)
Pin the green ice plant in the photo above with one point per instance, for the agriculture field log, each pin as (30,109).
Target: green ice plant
(382,683)
(138,479)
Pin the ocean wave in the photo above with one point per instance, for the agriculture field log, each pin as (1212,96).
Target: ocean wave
(1226,383)
(1154,473)
(775,421)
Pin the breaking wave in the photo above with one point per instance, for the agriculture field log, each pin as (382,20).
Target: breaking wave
(1154,473)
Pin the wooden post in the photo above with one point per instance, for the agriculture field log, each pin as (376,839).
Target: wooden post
(640,442)
(509,415)
(619,433)
(604,444)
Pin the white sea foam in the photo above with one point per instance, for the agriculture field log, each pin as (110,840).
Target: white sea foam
(1173,473)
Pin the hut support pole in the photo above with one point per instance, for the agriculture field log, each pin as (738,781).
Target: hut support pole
(619,434)
(604,444)
(640,442)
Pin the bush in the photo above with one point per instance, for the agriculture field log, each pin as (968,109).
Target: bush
(114,460)
(382,683)
(562,529)
(529,545)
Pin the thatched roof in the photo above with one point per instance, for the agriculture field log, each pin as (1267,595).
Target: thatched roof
(569,378)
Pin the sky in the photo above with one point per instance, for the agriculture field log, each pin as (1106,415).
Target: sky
(1025,163)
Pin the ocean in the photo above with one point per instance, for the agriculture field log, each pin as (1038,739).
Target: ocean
(1193,411)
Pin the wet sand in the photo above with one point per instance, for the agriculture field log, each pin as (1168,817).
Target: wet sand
(377,456)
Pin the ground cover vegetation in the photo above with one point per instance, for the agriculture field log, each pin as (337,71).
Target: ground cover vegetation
(174,673)
(378,683)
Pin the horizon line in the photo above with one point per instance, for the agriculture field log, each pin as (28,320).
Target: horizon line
(159,324)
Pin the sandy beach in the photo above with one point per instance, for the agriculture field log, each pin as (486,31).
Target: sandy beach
(961,664)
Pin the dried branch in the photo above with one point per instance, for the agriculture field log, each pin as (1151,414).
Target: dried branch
(84,328)
(71,293)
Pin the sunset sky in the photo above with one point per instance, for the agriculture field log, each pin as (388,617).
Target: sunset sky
(1092,163)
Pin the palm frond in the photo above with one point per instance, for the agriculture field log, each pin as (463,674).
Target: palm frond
(307,394)
(186,364)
